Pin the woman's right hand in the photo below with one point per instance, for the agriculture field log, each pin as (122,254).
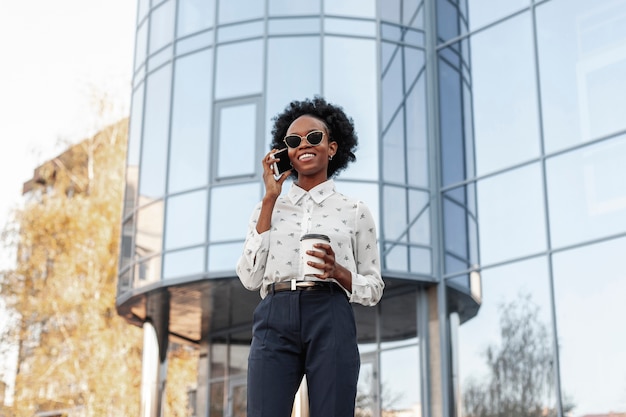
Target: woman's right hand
(273,186)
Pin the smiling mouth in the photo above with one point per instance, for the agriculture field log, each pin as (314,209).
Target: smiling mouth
(306,156)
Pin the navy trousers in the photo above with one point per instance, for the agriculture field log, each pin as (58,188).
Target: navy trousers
(297,333)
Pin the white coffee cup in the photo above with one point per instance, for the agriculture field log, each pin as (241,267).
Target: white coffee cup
(306,243)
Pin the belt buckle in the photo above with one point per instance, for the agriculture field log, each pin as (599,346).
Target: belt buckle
(293,284)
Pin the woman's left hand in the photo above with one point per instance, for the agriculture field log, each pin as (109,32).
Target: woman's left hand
(328,264)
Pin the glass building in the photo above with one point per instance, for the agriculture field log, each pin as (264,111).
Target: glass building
(492,152)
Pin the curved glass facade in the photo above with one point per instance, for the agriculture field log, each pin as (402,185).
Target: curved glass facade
(492,142)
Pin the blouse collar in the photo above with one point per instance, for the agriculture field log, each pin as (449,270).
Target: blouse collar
(319,193)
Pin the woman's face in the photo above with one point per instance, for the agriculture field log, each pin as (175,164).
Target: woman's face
(310,160)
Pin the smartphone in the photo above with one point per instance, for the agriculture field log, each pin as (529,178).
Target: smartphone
(283,165)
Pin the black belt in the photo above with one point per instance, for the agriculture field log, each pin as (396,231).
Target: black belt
(294,285)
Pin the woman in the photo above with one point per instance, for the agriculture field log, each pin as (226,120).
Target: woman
(304,325)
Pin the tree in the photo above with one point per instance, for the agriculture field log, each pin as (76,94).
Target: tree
(521,375)
(76,353)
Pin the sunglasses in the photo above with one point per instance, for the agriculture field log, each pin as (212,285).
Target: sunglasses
(314,138)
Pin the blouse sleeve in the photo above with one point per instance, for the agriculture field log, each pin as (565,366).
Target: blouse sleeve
(367,283)
(251,264)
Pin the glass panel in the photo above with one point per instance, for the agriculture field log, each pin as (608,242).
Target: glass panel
(455,143)
(194,42)
(134,144)
(394,168)
(156,126)
(390,10)
(149,234)
(283,83)
(587,190)
(396,257)
(460,231)
(451,20)
(355,8)
(162,25)
(293,25)
(482,12)
(395,219)
(141,44)
(410,13)
(582,61)
(217,399)
(160,58)
(349,27)
(147,272)
(142,9)
(400,382)
(238,359)
(237,140)
(419,217)
(504,95)
(239,69)
(416,139)
(354,87)
(185,224)
(421,262)
(218,360)
(241,31)
(126,244)
(509,341)
(511,215)
(589,288)
(223,257)
(368,193)
(195,15)
(228,220)
(191,122)
(237,11)
(183,263)
(366,390)
(293,7)
(392,88)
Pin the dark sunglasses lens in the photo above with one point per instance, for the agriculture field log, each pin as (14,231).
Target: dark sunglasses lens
(315,138)
(293,141)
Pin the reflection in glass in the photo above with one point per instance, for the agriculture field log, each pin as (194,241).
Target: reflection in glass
(367,391)
(395,257)
(482,12)
(223,256)
(218,360)
(185,224)
(350,80)
(284,84)
(149,233)
(395,215)
(589,286)
(132,156)
(400,382)
(147,272)
(234,76)
(194,15)
(398,320)
(504,94)
(582,62)
(294,25)
(191,122)
(237,140)
(155,135)
(394,157)
(506,357)
(511,215)
(162,17)
(216,399)
(460,229)
(587,188)
(228,220)
(419,217)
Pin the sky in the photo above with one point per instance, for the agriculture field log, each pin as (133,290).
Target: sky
(56,57)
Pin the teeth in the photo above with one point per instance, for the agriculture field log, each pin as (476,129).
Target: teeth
(306,156)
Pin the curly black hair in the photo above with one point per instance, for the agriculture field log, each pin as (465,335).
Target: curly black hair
(340,129)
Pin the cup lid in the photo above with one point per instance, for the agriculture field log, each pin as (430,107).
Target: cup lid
(315,236)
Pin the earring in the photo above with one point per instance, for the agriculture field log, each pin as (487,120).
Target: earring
(330,158)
